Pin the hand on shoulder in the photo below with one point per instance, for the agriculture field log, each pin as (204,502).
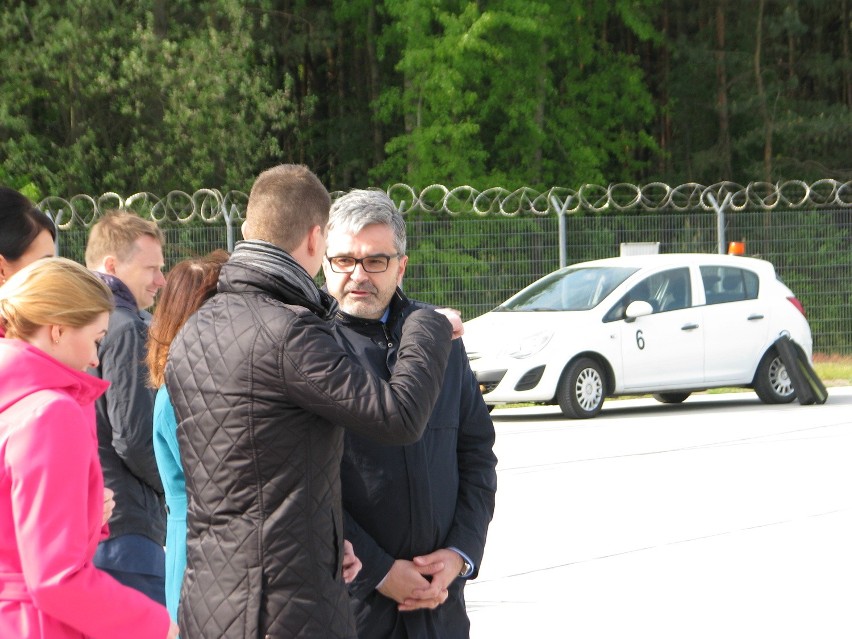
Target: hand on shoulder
(455,320)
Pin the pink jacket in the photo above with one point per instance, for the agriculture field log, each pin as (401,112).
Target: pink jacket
(51,508)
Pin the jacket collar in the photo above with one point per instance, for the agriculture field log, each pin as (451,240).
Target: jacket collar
(399,302)
(122,295)
(265,267)
(25,369)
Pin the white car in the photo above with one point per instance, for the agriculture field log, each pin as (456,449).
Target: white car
(663,324)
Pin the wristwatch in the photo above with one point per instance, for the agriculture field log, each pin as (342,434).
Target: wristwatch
(466,568)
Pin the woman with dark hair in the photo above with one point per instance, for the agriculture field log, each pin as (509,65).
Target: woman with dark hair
(189,284)
(26,233)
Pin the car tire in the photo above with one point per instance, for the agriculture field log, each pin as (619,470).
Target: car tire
(581,390)
(671,398)
(771,382)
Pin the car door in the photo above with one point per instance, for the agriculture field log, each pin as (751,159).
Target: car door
(736,324)
(664,350)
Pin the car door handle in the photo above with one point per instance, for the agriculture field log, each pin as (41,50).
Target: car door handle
(755,316)
(689,327)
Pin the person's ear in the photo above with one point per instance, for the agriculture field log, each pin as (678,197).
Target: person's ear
(4,269)
(55,333)
(109,264)
(403,261)
(315,238)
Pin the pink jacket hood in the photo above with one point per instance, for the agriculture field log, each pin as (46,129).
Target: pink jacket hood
(25,369)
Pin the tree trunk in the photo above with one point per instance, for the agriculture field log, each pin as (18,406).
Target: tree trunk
(538,118)
(761,95)
(847,74)
(411,118)
(791,48)
(337,73)
(665,111)
(375,86)
(161,24)
(722,94)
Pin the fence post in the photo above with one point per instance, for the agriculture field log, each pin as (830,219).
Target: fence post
(720,220)
(49,214)
(229,228)
(563,228)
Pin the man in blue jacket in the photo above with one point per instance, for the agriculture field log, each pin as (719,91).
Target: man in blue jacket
(417,515)
(126,252)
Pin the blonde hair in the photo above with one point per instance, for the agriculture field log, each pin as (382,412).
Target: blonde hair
(52,290)
(115,233)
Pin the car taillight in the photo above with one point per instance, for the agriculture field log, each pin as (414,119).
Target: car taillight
(795,302)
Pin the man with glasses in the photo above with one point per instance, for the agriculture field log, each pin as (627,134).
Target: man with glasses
(416,514)
(262,393)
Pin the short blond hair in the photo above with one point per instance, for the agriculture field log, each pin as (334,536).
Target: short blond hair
(52,290)
(115,233)
(285,203)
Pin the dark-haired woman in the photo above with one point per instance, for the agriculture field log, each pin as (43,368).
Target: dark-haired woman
(26,233)
(189,284)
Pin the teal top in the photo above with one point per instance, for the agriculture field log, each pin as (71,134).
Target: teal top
(174,485)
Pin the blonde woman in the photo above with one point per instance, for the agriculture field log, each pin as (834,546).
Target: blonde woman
(54,312)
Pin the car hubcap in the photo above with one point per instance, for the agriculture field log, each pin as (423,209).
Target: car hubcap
(589,389)
(779,379)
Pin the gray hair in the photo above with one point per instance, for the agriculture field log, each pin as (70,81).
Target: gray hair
(359,208)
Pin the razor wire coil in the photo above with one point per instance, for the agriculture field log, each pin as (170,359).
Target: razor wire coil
(211,205)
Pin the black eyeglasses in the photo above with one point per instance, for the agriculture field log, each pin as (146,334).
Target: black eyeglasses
(370,264)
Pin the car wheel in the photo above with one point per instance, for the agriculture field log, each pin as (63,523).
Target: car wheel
(581,391)
(671,398)
(771,382)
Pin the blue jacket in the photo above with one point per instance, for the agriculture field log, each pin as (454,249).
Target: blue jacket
(403,501)
(174,483)
(124,422)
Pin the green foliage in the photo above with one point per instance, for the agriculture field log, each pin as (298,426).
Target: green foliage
(100,96)
(100,99)
(495,93)
(805,73)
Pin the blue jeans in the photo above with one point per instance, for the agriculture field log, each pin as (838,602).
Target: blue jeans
(135,561)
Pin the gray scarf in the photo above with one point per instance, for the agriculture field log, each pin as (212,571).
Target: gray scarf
(288,273)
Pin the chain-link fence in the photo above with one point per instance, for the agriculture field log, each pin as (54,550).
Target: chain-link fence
(471,253)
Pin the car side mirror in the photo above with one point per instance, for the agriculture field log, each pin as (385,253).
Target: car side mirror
(639,308)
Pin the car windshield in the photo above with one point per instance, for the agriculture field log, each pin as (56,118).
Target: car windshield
(572,289)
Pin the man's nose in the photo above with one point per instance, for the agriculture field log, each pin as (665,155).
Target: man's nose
(359,274)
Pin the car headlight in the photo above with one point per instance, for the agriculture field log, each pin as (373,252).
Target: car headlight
(528,345)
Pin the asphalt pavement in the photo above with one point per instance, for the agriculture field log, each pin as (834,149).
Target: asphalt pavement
(721,517)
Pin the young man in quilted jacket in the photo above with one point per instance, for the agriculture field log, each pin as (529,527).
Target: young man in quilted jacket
(416,514)
(262,393)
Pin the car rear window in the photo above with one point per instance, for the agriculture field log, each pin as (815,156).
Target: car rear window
(728,284)
(573,289)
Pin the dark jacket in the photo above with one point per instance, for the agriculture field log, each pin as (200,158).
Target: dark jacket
(404,501)
(125,417)
(260,389)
